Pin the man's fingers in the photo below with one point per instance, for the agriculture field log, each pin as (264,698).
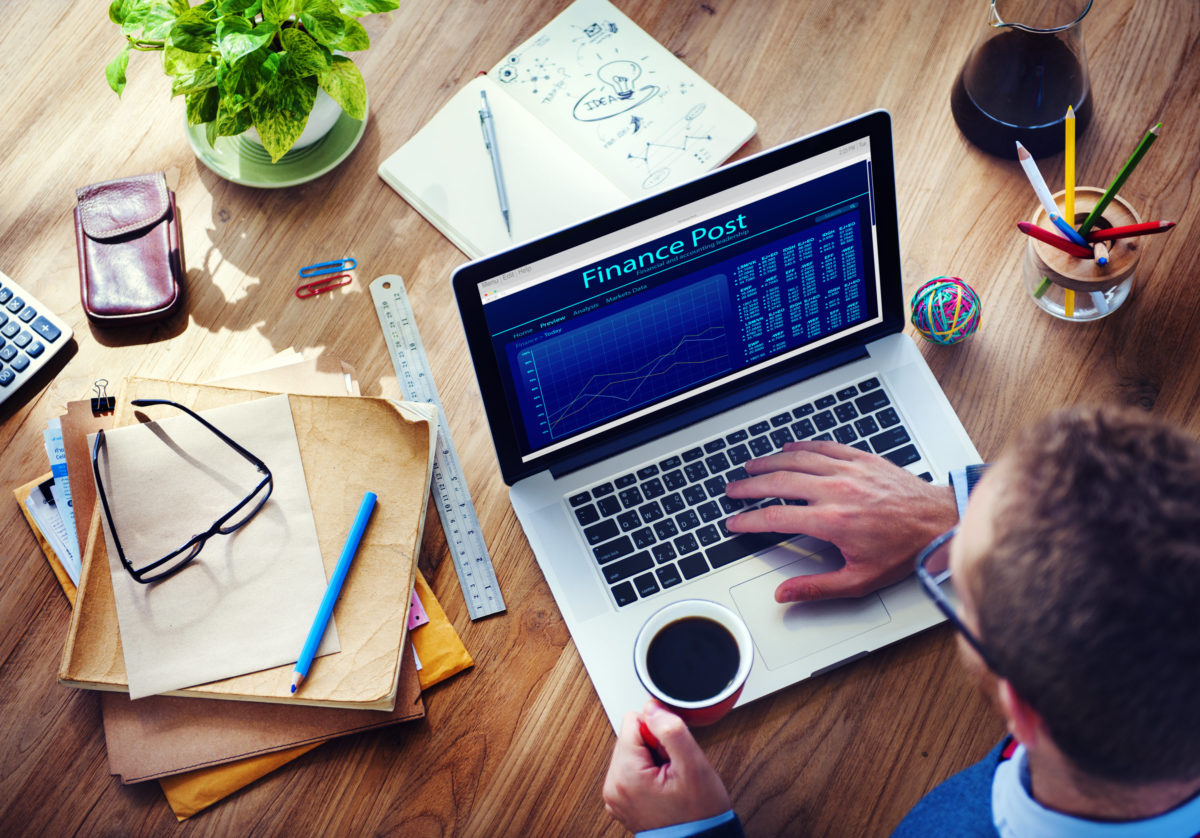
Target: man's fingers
(837,584)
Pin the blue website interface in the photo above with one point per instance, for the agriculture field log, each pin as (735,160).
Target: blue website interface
(583,349)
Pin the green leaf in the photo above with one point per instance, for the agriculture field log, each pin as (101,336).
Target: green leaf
(356,37)
(118,10)
(202,106)
(281,111)
(304,56)
(148,22)
(234,7)
(344,84)
(237,37)
(358,8)
(323,21)
(176,62)
(277,11)
(193,31)
(233,116)
(115,71)
(245,78)
(201,78)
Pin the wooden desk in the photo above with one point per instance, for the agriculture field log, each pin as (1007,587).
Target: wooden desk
(519,745)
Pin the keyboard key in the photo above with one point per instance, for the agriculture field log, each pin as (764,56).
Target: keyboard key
(695,471)
(669,463)
(844,434)
(846,392)
(579,499)
(22,340)
(824,421)
(650,512)
(586,515)
(781,420)
(717,463)
(602,490)
(887,417)
(862,445)
(694,495)
(889,439)
(630,497)
(643,538)
(663,552)
(7,377)
(904,456)
(646,584)
(687,520)
(647,472)
(825,402)
(686,543)
(708,535)
(869,384)
(628,520)
(714,487)
(674,480)
(737,436)
(27,314)
(608,506)
(866,426)
(665,529)
(845,412)
(759,428)
(625,481)
(710,511)
(872,401)
(614,549)
(624,594)
(739,454)
(803,429)
(10,329)
(760,446)
(692,454)
(926,476)
(804,410)
(672,503)
(668,576)
(743,545)
(34,349)
(15,304)
(653,488)
(692,566)
(714,445)
(782,436)
(627,567)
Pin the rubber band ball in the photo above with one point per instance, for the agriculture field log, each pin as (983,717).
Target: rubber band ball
(945,310)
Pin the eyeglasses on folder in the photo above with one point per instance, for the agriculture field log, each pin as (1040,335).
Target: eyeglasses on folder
(237,517)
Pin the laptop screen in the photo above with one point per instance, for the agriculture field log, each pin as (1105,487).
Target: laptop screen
(590,339)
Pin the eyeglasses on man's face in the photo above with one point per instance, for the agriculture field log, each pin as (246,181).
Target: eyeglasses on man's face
(933,569)
(237,517)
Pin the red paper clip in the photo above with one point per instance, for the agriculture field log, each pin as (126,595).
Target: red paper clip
(320,286)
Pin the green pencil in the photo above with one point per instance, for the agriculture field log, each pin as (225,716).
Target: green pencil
(1119,180)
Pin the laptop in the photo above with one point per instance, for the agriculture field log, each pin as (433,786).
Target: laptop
(631,364)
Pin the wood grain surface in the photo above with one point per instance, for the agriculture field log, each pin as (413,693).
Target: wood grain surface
(519,745)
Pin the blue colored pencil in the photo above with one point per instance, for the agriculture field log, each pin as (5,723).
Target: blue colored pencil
(325,611)
(1067,230)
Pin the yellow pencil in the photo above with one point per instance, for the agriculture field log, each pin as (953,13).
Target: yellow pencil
(1069,302)
(1069,183)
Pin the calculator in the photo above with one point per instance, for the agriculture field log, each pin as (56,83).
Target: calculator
(30,335)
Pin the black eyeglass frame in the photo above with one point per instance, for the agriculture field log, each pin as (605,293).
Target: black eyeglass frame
(196,543)
(931,584)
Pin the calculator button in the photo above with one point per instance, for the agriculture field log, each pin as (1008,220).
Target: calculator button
(27,314)
(7,377)
(46,330)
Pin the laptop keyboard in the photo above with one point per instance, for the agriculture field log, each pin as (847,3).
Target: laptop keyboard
(663,524)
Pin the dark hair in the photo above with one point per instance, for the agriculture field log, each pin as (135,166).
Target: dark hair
(1090,595)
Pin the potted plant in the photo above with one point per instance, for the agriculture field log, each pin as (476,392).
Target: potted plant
(251,63)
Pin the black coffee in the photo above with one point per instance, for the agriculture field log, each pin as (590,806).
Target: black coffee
(692,659)
(1022,84)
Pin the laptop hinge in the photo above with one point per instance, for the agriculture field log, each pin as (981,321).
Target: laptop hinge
(693,413)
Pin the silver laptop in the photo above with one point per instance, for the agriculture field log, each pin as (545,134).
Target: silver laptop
(630,365)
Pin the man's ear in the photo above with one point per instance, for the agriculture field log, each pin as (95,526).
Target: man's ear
(1024,723)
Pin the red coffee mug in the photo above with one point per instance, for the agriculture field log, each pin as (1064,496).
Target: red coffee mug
(708,665)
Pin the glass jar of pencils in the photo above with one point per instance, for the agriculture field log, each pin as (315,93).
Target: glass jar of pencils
(1069,284)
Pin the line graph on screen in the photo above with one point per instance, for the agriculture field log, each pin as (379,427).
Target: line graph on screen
(622,361)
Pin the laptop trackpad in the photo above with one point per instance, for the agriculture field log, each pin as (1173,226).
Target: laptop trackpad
(786,633)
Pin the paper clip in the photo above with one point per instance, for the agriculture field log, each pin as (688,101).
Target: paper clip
(320,286)
(322,268)
(102,402)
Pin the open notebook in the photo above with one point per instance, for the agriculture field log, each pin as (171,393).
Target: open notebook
(589,114)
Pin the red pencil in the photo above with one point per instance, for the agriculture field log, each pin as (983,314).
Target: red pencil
(1144,229)
(1055,240)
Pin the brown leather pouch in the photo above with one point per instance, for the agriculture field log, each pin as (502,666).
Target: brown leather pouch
(130,250)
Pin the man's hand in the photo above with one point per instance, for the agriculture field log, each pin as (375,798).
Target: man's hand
(642,794)
(876,513)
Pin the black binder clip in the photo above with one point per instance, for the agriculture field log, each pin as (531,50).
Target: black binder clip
(102,402)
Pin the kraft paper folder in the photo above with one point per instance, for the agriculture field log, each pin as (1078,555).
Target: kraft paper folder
(348,445)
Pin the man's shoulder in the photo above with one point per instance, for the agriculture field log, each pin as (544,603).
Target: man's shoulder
(960,806)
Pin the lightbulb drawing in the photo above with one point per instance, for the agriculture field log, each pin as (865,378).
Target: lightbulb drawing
(621,76)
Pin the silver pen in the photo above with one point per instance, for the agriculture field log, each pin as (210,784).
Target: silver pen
(489,140)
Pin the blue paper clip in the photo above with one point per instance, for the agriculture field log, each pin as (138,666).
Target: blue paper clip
(322,268)
(320,286)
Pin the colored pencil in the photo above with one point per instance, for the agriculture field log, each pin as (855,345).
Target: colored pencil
(1069,302)
(1063,244)
(1144,229)
(1100,251)
(1119,180)
(325,610)
(1035,179)
(1067,229)
(1042,288)
(1069,165)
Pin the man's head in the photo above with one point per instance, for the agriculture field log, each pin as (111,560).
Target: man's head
(1079,565)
